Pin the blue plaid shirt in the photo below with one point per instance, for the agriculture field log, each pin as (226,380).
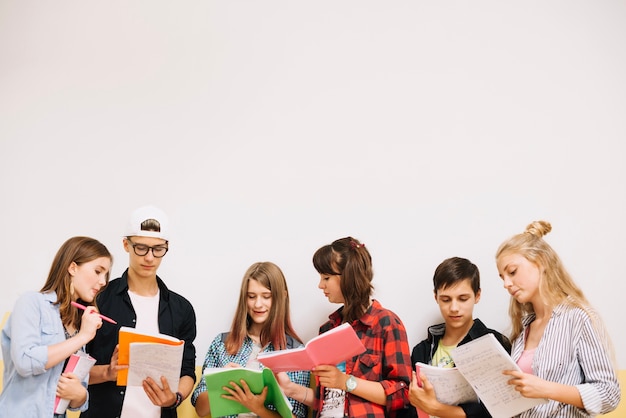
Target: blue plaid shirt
(217,356)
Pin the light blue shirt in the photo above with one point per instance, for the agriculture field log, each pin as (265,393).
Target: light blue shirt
(30,389)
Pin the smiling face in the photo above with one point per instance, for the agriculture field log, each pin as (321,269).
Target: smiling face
(456,304)
(520,277)
(259,303)
(88,278)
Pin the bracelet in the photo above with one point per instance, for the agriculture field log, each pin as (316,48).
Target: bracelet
(179,400)
(306,393)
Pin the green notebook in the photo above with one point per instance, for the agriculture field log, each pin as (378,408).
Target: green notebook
(216,378)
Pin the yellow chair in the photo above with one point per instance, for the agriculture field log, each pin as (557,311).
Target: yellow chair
(4,320)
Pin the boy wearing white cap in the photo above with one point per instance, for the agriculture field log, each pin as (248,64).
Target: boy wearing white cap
(141,300)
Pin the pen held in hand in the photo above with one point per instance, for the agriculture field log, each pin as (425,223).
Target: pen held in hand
(83,307)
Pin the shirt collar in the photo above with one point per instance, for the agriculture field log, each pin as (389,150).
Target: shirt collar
(123,285)
(558,310)
(368,318)
(50,296)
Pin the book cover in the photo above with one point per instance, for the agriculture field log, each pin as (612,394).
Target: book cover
(420,413)
(481,362)
(151,355)
(78,363)
(331,347)
(217,378)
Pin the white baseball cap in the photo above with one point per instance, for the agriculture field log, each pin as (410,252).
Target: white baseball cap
(142,214)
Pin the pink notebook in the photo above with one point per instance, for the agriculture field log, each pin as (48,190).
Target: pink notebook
(331,347)
(79,363)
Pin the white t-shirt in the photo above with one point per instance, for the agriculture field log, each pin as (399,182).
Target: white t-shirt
(147,311)
(136,402)
(334,403)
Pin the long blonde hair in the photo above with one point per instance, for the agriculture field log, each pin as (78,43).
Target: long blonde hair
(555,284)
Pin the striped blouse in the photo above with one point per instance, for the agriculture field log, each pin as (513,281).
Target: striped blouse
(572,352)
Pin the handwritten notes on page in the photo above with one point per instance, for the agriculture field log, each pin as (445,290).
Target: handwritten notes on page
(450,386)
(148,354)
(155,360)
(482,362)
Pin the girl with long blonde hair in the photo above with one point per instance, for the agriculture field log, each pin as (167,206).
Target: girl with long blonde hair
(559,340)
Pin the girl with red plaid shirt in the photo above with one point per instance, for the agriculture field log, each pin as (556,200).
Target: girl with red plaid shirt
(372,384)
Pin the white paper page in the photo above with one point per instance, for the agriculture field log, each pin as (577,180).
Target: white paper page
(137,404)
(155,360)
(451,388)
(482,362)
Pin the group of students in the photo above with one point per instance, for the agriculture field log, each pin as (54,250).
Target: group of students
(558,340)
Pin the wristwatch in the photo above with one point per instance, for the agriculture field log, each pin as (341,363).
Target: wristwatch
(350,384)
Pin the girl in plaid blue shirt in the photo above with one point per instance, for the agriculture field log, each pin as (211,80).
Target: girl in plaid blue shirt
(262,323)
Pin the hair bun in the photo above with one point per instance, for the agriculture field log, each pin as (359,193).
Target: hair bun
(539,228)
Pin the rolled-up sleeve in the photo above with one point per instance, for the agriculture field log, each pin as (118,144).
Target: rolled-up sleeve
(600,391)
(35,324)
(397,366)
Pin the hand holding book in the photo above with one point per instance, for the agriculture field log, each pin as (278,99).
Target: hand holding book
(79,364)
(331,347)
(223,402)
(418,380)
(148,355)
(478,374)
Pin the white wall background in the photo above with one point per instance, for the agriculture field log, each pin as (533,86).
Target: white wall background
(269,128)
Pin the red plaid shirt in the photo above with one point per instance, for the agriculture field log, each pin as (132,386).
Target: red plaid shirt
(386,360)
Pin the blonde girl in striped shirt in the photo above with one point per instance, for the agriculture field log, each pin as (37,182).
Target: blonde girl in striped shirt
(559,341)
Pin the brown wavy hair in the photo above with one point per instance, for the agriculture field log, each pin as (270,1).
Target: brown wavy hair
(348,258)
(77,250)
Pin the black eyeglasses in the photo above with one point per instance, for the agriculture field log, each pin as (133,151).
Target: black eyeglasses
(142,249)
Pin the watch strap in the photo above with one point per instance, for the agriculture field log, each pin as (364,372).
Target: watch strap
(350,384)
(179,400)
